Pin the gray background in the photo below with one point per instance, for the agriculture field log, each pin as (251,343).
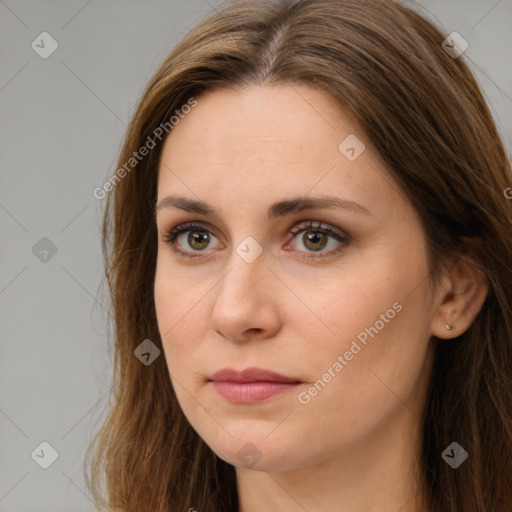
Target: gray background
(62,120)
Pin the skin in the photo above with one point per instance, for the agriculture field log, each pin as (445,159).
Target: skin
(352,447)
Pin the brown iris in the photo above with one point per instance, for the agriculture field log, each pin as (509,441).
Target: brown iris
(202,238)
(318,240)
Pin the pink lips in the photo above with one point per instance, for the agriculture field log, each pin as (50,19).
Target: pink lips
(250,385)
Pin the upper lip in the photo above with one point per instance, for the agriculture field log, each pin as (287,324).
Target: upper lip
(252,374)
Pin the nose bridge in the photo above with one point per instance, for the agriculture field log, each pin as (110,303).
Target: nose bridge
(243,300)
(246,272)
(247,260)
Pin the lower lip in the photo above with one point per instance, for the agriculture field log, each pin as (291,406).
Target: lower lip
(249,392)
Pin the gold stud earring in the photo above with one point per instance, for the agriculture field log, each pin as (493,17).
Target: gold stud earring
(449,327)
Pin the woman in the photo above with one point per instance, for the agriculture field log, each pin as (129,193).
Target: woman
(308,250)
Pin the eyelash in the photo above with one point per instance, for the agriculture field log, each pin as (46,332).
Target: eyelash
(171,236)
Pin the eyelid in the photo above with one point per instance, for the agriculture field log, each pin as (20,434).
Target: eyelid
(311,225)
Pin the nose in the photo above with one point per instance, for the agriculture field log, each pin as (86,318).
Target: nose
(246,302)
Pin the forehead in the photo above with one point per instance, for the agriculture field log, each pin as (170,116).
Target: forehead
(265,142)
(256,118)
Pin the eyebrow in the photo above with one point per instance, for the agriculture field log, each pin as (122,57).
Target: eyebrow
(277,209)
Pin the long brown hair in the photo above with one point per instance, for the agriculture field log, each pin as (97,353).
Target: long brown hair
(425,114)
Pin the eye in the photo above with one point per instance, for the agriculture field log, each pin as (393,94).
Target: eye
(198,238)
(316,238)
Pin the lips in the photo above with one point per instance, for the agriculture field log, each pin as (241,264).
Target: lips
(250,375)
(250,385)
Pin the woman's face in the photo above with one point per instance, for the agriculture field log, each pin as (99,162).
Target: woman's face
(345,314)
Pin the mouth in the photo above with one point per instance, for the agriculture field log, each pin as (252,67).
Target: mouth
(250,385)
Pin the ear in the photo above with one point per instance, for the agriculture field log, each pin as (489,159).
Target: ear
(462,295)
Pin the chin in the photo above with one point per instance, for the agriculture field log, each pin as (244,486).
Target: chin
(257,451)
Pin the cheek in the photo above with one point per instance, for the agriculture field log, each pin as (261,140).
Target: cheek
(175,298)
(378,334)
(168,311)
(382,295)
(182,324)
(354,302)
(172,303)
(371,374)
